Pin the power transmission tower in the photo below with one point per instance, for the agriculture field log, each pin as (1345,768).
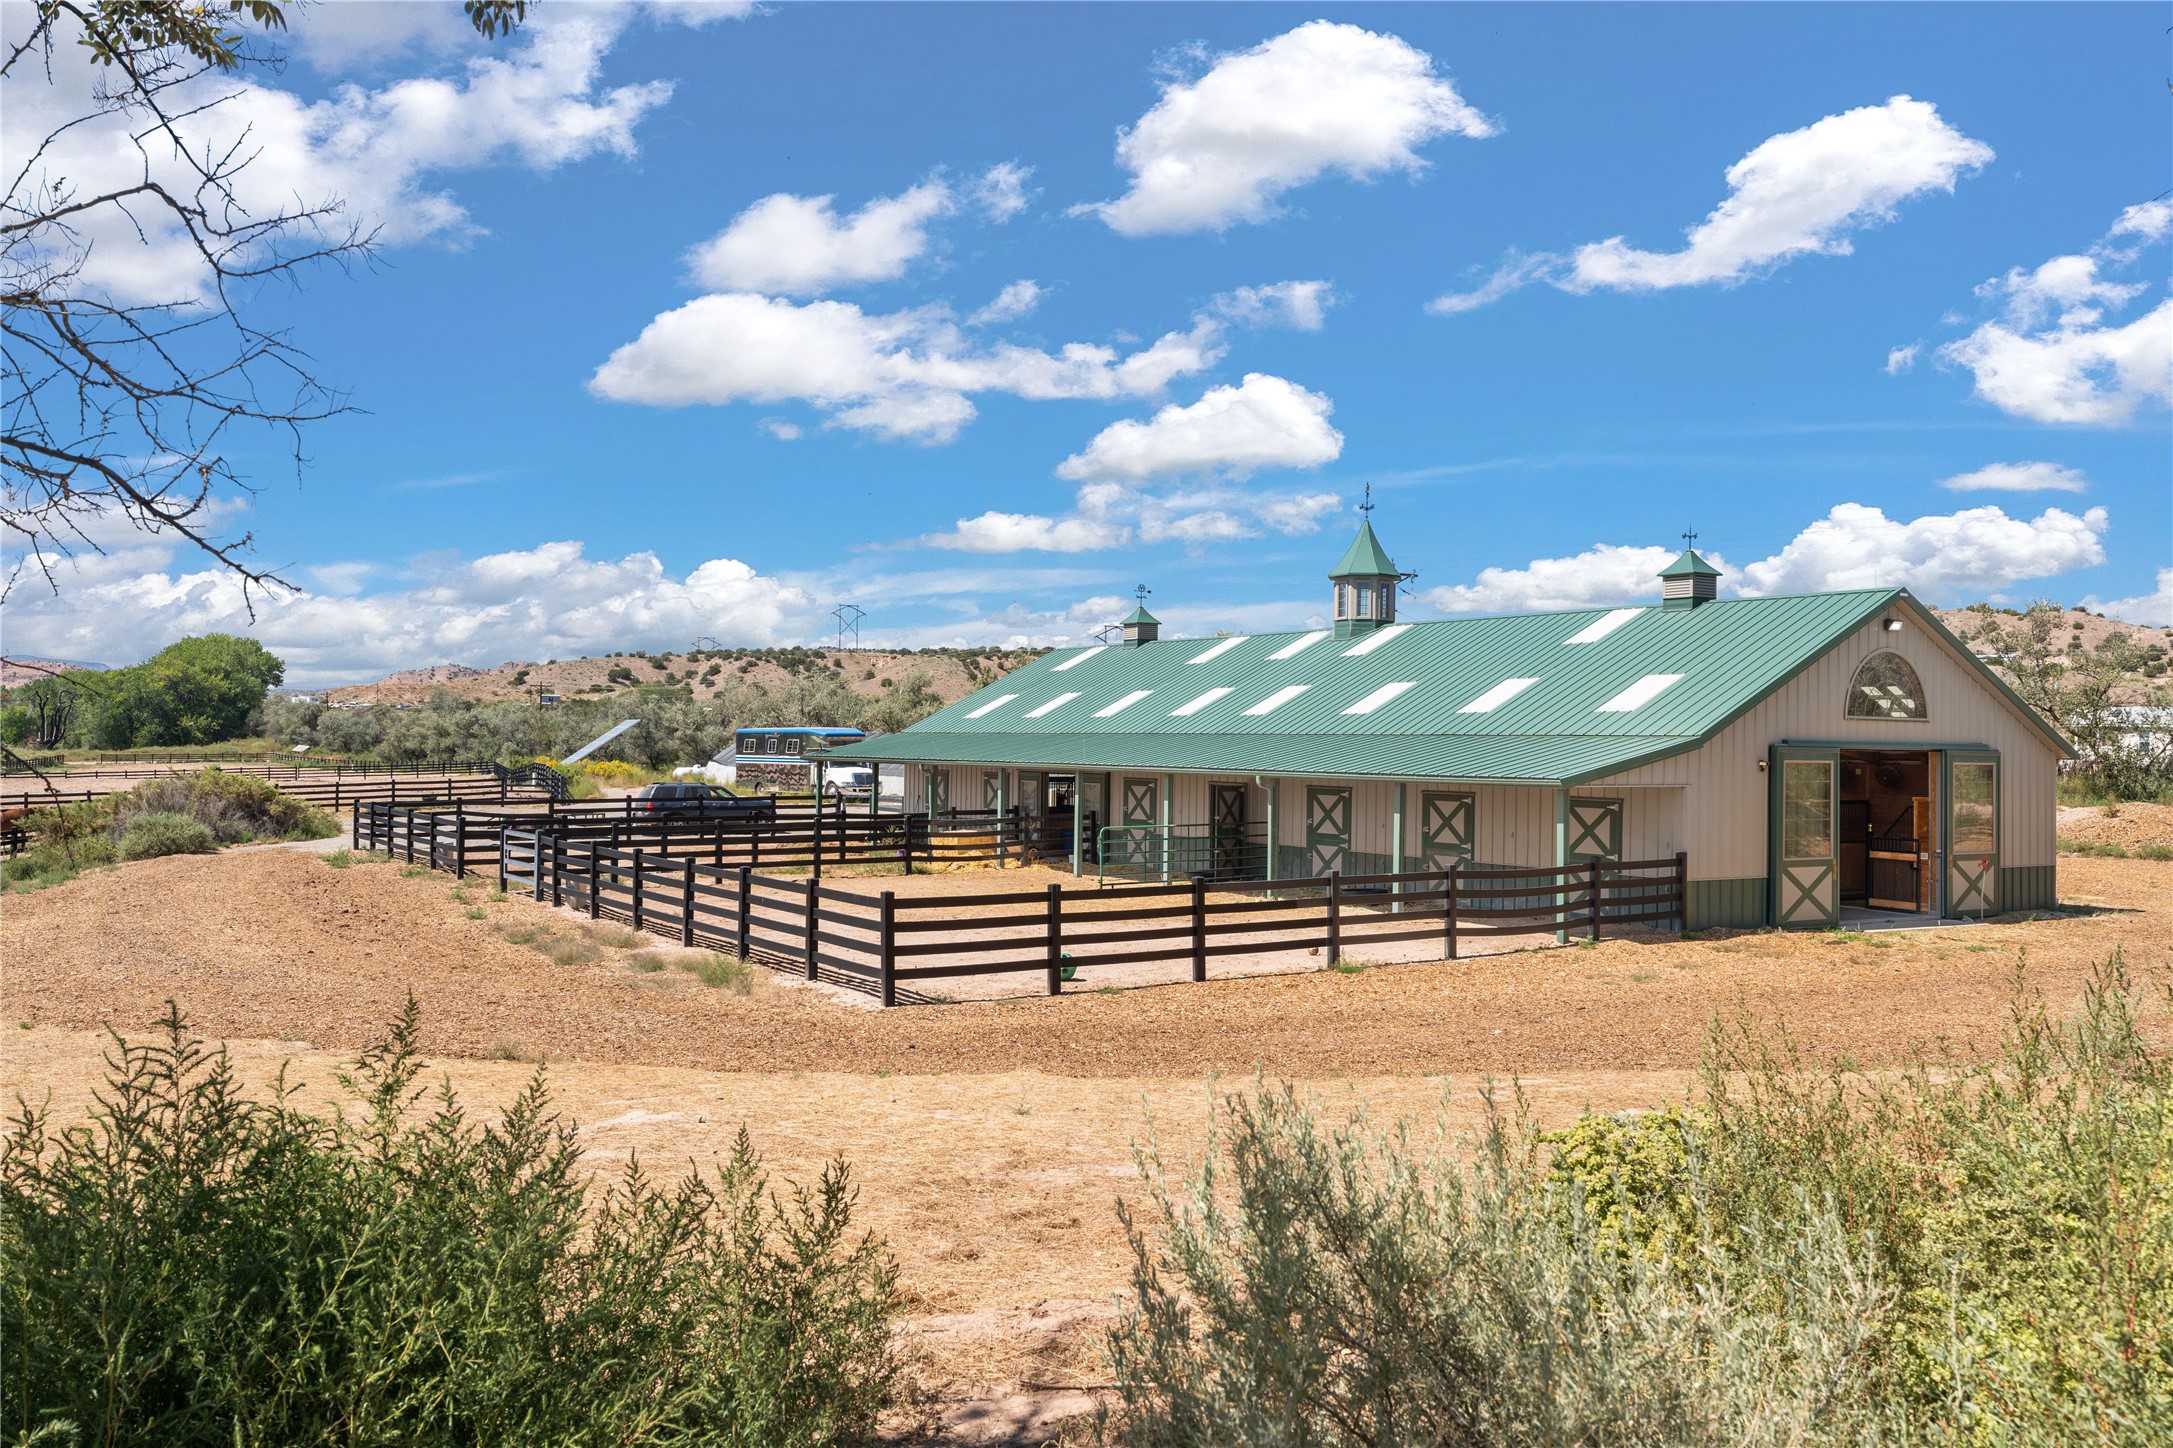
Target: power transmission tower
(848,616)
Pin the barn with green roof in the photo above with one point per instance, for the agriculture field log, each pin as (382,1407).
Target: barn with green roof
(1817,758)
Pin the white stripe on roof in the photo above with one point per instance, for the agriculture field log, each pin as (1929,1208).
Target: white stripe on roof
(1052,706)
(1182,710)
(1497,696)
(1601,627)
(1373,641)
(1380,696)
(991,706)
(1298,646)
(1077,659)
(1643,692)
(1218,650)
(1123,704)
(1277,699)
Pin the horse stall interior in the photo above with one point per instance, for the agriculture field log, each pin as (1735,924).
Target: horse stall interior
(1888,805)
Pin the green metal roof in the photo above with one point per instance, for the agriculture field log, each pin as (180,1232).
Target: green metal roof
(1688,565)
(1140,615)
(1365,558)
(1552,698)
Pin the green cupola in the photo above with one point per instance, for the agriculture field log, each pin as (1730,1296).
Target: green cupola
(1365,584)
(1142,627)
(1688,581)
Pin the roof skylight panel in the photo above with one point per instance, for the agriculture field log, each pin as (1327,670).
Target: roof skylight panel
(1277,699)
(1643,692)
(1052,706)
(1373,641)
(1077,659)
(1122,704)
(1183,711)
(991,706)
(1602,626)
(1497,696)
(1380,696)
(1217,651)
(1299,645)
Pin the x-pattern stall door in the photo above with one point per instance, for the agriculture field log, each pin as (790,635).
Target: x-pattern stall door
(1327,829)
(1141,806)
(939,789)
(1972,832)
(1595,829)
(1806,848)
(991,789)
(1444,829)
(1227,821)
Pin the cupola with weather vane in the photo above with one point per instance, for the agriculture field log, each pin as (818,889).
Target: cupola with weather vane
(1689,580)
(1140,626)
(1365,580)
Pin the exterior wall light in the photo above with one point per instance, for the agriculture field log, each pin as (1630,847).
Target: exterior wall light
(1891,625)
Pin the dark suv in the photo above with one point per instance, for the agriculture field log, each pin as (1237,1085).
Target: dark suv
(701,801)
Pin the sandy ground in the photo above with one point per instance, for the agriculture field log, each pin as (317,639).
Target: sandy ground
(2129,826)
(990,1140)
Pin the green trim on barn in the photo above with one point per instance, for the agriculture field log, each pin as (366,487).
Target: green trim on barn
(1726,904)
(2028,887)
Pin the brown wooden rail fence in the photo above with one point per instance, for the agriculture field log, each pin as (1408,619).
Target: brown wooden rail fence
(882,941)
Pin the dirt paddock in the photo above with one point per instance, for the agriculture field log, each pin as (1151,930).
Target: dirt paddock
(990,1139)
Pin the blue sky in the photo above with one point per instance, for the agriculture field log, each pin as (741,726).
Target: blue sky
(1863,294)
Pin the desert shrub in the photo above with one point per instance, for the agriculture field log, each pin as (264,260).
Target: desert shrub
(195,1268)
(567,950)
(148,836)
(1949,1254)
(614,937)
(234,807)
(726,972)
(55,861)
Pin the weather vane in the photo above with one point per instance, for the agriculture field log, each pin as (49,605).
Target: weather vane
(1141,593)
(1690,539)
(1367,506)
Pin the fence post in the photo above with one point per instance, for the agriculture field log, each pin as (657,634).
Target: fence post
(686,907)
(354,823)
(1448,908)
(637,889)
(808,941)
(1682,890)
(815,867)
(1056,939)
(558,866)
(1199,928)
(754,847)
(411,834)
(739,928)
(1335,916)
(1594,886)
(460,843)
(596,877)
(887,963)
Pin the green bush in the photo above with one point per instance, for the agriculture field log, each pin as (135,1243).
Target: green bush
(234,807)
(56,861)
(195,1268)
(1950,1254)
(148,836)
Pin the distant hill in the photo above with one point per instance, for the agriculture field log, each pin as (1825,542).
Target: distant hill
(952,673)
(23,671)
(2089,630)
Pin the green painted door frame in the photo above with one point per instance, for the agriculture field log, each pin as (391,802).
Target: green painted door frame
(1803,844)
(1969,832)
(1327,829)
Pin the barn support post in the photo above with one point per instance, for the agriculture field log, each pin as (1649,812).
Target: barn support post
(1056,939)
(1592,884)
(1003,815)
(1275,800)
(1335,916)
(887,962)
(637,889)
(1561,863)
(739,928)
(808,942)
(1199,928)
(1395,851)
(1448,911)
(1169,788)
(686,907)
(596,894)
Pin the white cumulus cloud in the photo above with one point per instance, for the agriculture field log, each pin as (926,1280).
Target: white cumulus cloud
(2051,355)
(1948,557)
(2153,609)
(1901,359)
(1008,305)
(1263,422)
(1112,515)
(1800,193)
(1302,306)
(1324,98)
(2018,478)
(800,246)
(997,532)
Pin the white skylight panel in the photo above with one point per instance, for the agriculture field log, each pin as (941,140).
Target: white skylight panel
(1277,699)
(991,706)
(1373,641)
(1298,646)
(1122,704)
(1183,711)
(1643,692)
(1052,706)
(1077,659)
(1218,650)
(1380,696)
(1497,696)
(1602,626)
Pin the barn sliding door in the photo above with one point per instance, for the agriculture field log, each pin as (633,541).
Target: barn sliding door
(1972,857)
(1806,846)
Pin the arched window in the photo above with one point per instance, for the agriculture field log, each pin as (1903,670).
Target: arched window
(1885,687)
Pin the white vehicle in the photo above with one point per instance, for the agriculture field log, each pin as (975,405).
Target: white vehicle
(848,780)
